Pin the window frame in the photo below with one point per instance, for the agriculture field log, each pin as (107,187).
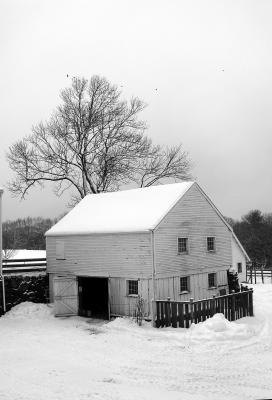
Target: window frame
(240,268)
(215,280)
(207,244)
(130,281)
(187,290)
(180,238)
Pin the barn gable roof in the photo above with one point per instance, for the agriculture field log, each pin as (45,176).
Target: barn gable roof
(134,210)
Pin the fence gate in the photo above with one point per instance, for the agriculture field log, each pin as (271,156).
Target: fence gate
(65,295)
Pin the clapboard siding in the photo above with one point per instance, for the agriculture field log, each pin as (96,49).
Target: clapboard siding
(170,287)
(195,218)
(122,304)
(119,255)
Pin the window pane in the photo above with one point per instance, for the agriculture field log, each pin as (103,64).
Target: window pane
(239,267)
(210,244)
(211,280)
(184,284)
(132,287)
(182,245)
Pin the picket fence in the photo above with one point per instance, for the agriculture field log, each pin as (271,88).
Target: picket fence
(183,313)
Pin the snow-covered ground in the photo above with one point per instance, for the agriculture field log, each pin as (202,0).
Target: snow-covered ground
(43,357)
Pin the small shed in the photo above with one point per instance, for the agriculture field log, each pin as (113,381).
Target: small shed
(153,243)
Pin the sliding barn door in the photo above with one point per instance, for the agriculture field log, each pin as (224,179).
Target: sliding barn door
(65,295)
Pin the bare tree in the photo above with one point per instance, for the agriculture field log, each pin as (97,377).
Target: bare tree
(94,142)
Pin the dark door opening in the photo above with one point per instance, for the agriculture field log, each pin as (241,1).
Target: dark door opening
(93,297)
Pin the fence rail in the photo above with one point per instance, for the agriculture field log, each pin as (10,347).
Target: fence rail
(253,272)
(183,313)
(18,266)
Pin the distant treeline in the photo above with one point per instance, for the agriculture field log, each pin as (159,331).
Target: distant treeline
(27,233)
(254,231)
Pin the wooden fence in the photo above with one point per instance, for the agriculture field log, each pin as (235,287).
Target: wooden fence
(14,266)
(258,273)
(183,313)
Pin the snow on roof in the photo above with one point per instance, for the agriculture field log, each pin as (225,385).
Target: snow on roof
(24,254)
(134,210)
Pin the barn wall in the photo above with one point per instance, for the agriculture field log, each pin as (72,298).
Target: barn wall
(115,255)
(238,257)
(170,287)
(120,302)
(192,217)
(119,257)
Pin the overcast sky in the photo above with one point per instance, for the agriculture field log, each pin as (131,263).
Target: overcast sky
(210,61)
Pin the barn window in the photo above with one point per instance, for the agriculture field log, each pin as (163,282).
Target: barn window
(212,280)
(211,243)
(60,250)
(239,267)
(132,288)
(182,245)
(184,284)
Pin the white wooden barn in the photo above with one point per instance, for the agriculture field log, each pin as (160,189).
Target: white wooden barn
(156,242)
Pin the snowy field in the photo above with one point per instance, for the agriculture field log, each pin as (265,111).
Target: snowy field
(43,357)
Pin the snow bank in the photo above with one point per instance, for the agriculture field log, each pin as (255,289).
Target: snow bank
(218,328)
(28,310)
(215,329)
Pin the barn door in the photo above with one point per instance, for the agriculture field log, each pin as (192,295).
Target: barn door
(65,295)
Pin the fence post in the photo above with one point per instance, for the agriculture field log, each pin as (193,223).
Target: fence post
(212,312)
(233,306)
(168,312)
(192,310)
(262,273)
(153,312)
(251,302)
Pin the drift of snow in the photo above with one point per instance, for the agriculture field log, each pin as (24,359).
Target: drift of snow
(79,359)
(30,310)
(141,210)
(219,328)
